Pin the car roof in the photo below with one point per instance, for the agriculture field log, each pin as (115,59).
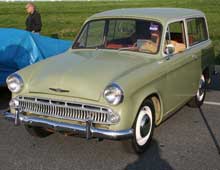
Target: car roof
(161,14)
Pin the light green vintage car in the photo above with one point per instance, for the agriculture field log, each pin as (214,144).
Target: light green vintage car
(126,72)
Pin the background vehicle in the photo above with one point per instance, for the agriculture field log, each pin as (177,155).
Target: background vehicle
(19,48)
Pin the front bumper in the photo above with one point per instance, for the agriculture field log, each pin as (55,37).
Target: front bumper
(87,131)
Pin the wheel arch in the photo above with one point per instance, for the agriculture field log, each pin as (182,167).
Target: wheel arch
(156,98)
(206,73)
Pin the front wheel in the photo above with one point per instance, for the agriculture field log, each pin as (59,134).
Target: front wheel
(199,98)
(144,127)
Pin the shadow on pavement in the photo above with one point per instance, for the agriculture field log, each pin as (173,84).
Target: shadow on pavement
(5,97)
(150,160)
(215,84)
(212,135)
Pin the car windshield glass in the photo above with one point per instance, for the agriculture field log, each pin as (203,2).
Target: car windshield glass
(121,34)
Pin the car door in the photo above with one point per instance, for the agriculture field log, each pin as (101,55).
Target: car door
(183,67)
(199,42)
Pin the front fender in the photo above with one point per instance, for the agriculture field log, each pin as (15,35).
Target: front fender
(129,109)
(141,95)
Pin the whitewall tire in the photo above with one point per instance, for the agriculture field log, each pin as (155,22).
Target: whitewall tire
(199,98)
(144,126)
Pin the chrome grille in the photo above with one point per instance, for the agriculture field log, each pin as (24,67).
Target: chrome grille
(66,110)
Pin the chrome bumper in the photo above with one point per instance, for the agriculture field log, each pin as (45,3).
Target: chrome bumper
(87,131)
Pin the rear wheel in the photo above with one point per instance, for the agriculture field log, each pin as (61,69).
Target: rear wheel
(144,127)
(198,100)
(37,131)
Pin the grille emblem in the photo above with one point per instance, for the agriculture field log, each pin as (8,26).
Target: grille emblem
(59,90)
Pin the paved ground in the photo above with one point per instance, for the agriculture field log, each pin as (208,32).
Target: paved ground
(183,142)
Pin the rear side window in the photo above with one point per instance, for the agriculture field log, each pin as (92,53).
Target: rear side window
(197,31)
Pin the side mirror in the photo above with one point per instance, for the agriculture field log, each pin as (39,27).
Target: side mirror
(170,49)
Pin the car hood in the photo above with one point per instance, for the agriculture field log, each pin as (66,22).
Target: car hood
(83,74)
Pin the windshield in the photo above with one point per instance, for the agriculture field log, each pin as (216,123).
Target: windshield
(121,34)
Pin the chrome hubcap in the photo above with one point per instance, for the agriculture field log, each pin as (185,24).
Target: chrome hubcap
(144,125)
(201,91)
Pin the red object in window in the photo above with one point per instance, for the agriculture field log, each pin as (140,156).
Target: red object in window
(190,39)
(112,45)
(116,46)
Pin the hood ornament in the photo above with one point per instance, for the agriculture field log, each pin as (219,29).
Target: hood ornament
(59,90)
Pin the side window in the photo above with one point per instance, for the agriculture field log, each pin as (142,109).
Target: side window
(197,31)
(175,36)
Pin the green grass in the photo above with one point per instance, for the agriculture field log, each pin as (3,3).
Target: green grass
(64,19)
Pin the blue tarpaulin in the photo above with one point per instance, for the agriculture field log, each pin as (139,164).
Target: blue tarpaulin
(19,48)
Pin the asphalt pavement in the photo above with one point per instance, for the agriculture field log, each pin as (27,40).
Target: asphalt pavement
(188,140)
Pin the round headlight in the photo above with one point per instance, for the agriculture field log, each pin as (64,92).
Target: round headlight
(113,94)
(15,83)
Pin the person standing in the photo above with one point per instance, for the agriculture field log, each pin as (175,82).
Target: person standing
(33,22)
